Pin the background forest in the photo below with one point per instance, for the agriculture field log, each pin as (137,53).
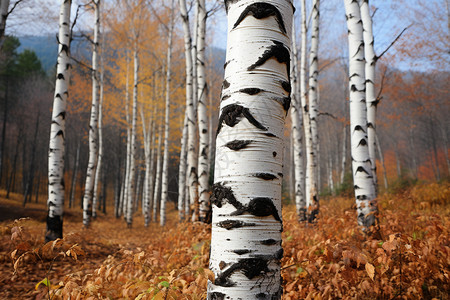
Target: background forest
(413,163)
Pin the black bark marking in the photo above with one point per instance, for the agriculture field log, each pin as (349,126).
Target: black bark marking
(228,2)
(262,207)
(274,154)
(231,224)
(251,91)
(60,133)
(58,96)
(224,97)
(359,127)
(265,176)
(250,267)
(356,187)
(62,115)
(242,251)
(232,115)
(260,11)
(286,85)
(54,227)
(222,194)
(277,51)
(225,84)
(361,169)
(217,296)
(279,254)
(270,134)
(362,142)
(269,242)
(285,102)
(280,174)
(238,144)
(361,197)
(60,76)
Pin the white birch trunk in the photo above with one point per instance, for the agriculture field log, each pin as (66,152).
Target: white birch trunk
(246,228)
(344,155)
(147,131)
(362,172)
(182,170)
(126,180)
(371,98)
(55,202)
(100,115)
(313,95)
(165,170)
(157,191)
(203,160)
(132,167)
(296,131)
(93,130)
(190,111)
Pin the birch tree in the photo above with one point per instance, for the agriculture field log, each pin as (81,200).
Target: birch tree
(371,98)
(4,6)
(93,123)
(361,166)
(165,170)
(246,226)
(296,131)
(313,200)
(55,202)
(190,109)
(203,151)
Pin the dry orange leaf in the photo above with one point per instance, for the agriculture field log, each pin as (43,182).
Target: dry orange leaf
(370,269)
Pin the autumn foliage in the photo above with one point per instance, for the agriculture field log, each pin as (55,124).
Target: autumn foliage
(332,259)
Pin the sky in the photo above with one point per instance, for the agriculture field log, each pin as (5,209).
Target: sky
(40,17)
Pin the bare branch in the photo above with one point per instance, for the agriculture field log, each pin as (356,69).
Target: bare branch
(329,64)
(373,14)
(327,114)
(393,42)
(12,8)
(81,63)
(383,77)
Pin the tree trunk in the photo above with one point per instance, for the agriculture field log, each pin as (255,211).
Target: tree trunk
(371,98)
(380,153)
(13,171)
(246,228)
(165,170)
(93,126)
(182,170)
(190,109)
(55,203)
(4,6)
(73,185)
(98,173)
(203,161)
(156,195)
(344,155)
(296,130)
(29,185)
(362,171)
(312,202)
(148,132)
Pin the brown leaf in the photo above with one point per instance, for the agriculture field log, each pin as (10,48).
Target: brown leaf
(370,269)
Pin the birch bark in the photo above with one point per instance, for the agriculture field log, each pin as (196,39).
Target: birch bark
(4,5)
(55,202)
(362,172)
(165,170)
(190,109)
(296,130)
(246,227)
(93,126)
(156,195)
(182,170)
(203,160)
(371,98)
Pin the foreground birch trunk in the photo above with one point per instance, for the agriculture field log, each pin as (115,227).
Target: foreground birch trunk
(296,130)
(362,172)
(313,199)
(93,128)
(55,202)
(190,111)
(246,228)
(203,151)
(165,170)
(371,98)
(4,5)
(182,170)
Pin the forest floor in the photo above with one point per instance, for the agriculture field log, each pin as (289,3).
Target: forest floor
(332,259)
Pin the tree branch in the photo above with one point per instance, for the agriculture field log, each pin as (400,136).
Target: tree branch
(12,8)
(327,114)
(393,42)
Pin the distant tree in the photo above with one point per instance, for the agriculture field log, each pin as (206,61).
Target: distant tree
(246,224)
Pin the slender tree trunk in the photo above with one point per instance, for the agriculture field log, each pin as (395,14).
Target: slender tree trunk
(371,98)
(203,161)
(190,110)
(344,155)
(296,130)
(5,117)
(246,228)
(182,170)
(156,195)
(313,95)
(362,172)
(98,173)
(165,170)
(13,171)
(93,126)
(147,131)
(126,182)
(55,203)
